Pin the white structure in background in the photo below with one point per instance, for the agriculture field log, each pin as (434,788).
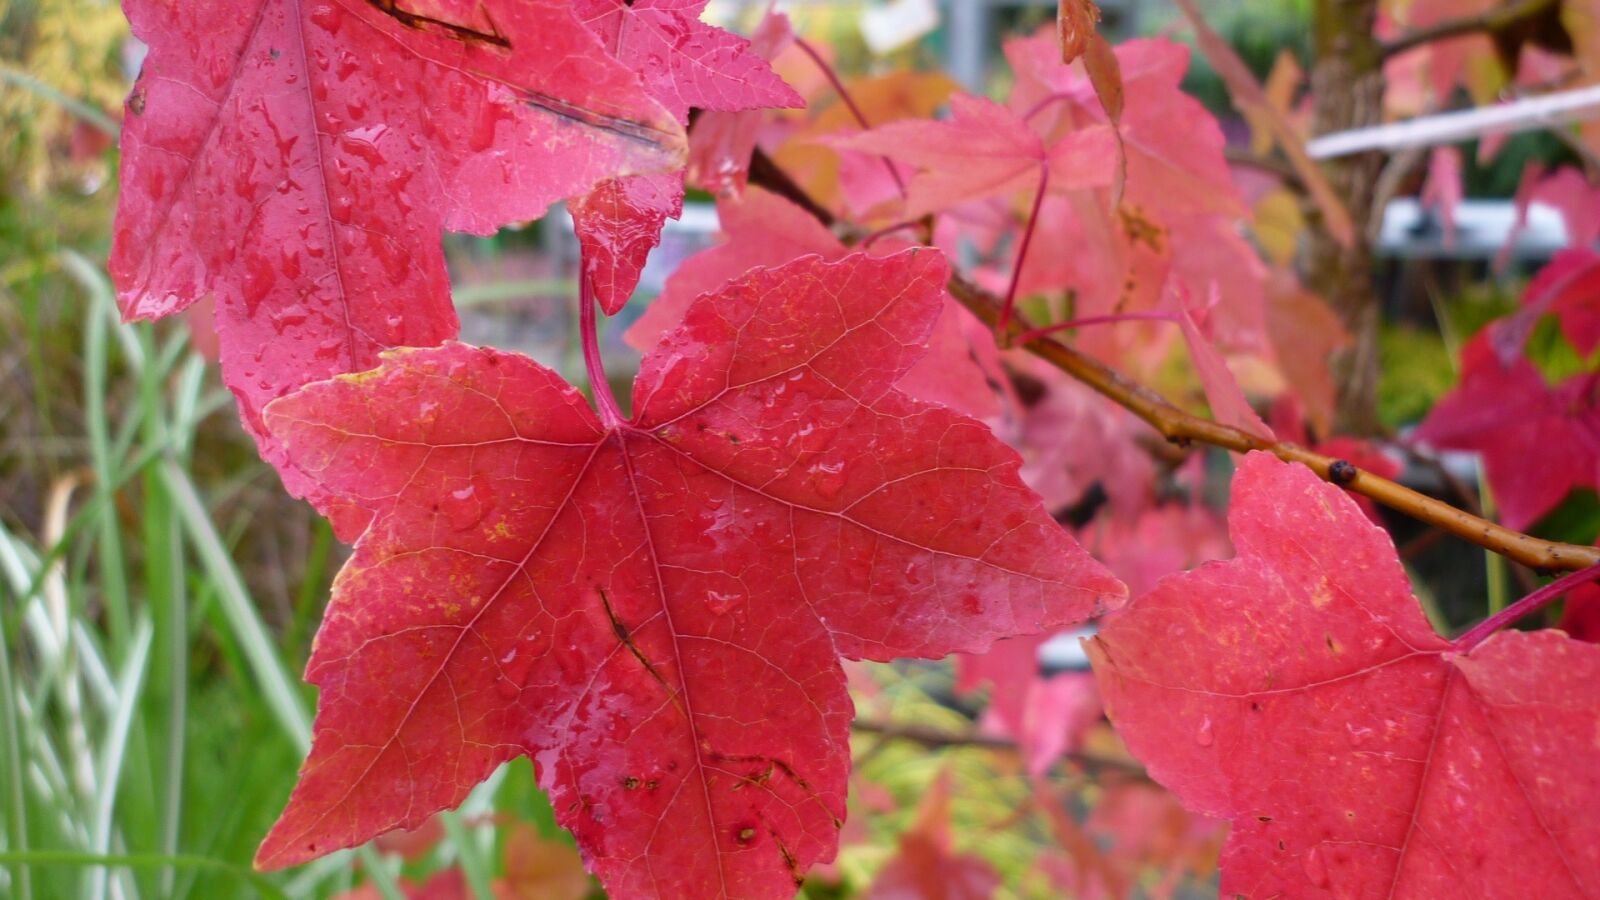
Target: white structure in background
(1412,231)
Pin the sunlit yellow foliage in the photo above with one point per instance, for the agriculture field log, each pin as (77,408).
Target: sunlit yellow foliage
(74,47)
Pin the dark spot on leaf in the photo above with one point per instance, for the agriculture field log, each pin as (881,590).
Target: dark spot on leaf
(1263,818)
(463,33)
(629,783)
(136,103)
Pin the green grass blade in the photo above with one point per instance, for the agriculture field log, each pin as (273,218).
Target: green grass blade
(10,723)
(251,633)
(130,683)
(261,883)
(89,113)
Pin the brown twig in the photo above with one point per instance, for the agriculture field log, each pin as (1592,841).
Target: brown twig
(1492,21)
(767,174)
(1181,427)
(1271,165)
(937,738)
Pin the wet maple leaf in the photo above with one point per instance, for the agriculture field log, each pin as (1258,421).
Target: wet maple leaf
(300,161)
(1298,690)
(985,150)
(721,143)
(1507,412)
(685,62)
(654,611)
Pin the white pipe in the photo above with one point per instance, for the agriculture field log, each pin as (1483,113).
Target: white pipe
(1544,111)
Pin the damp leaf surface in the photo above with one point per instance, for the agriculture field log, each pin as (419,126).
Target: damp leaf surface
(655,611)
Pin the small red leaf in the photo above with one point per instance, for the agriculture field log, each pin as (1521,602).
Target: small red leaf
(1507,412)
(927,866)
(1298,690)
(617,224)
(655,612)
(1228,403)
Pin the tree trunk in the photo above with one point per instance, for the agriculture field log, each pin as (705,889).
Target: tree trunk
(1347,91)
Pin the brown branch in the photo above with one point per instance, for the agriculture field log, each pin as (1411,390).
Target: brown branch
(1492,21)
(1268,164)
(938,739)
(767,174)
(1181,427)
(1178,426)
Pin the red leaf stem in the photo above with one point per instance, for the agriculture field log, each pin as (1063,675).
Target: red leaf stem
(1030,336)
(605,401)
(849,102)
(1527,606)
(1001,328)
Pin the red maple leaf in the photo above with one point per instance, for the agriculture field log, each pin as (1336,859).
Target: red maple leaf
(985,150)
(654,611)
(1569,289)
(1510,415)
(1174,146)
(300,161)
(720,144)
(1298,690)
(685,62)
